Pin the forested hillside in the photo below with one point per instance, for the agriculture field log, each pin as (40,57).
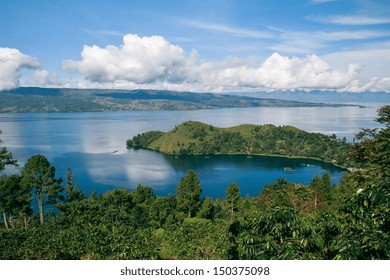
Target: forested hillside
(195,138)
(350,220)
(33,99)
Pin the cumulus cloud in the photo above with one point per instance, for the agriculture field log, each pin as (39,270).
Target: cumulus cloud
(154,62)
(281,72)
(44,78)
(141,60)
(11,62)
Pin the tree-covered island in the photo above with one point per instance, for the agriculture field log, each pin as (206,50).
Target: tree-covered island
(196,138)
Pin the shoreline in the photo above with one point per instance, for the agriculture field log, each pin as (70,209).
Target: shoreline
(345,168)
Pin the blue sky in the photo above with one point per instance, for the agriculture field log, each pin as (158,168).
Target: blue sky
(221,45)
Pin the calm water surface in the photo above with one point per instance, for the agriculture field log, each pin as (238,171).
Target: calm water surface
(85,142)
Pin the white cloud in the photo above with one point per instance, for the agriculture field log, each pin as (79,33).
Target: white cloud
(141,60)
(153,62)
(281,72)
(44,78)
(11,62)
(350,20)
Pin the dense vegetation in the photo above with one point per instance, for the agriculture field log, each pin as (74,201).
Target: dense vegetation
(195,138)
(32,99)
(350,220)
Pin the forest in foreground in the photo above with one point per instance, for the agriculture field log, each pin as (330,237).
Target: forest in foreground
(350,220)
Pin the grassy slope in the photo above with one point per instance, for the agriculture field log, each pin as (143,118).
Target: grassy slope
(199,138)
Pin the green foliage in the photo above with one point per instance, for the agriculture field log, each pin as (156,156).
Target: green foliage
(321,190)
(372,151)
(38,175)
(196,238)
(195,138)
(207,210)
(233,196)
(143,194)
(366,225)
(5,157)
(162,212)
(14,201)
(188,194)
(366,207)
(279,234)
(72,191)
(144,139)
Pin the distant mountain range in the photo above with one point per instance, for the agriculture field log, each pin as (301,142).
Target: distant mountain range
(35,99)
(361,98)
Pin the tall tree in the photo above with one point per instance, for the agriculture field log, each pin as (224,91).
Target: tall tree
(39,175)
(321,188)
(188,193)
(72,190)
(233,196)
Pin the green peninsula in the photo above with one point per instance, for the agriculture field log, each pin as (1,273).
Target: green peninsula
(196,138)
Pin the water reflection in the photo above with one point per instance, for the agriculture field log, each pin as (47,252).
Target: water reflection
(163,172)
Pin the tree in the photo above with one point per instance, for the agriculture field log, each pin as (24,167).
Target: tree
(281,233)
(38,175)
(372,151)
(5,157)
(321,188)
(72,191)
(315,185)
(14,199)
(366,229)
(143,194)
(207,211)
(188,193)
(233,196)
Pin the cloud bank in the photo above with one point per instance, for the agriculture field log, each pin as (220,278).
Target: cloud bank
(11,62)
(155,62)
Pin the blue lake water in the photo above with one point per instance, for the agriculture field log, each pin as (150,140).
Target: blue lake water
(85,142)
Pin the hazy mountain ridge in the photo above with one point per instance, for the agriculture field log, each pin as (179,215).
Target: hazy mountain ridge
(34,99)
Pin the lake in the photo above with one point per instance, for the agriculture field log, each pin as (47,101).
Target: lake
(93,145)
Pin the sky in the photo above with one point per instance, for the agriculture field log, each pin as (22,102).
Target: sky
(196,45)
